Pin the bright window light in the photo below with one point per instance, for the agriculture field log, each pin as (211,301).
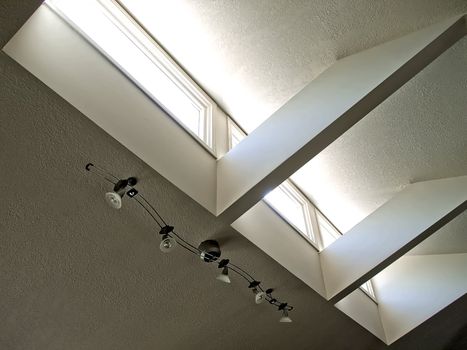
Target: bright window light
(328,232)
(367,287)
(115,34)
(235,134)
(293,207)
(286,199)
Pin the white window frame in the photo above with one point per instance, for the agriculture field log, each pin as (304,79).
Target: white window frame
(320,220)
(289,188)
(369,290)
(232,129)
(125,23)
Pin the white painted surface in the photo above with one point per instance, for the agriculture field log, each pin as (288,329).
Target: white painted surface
(363,310)
(307,119)
(276,238)
(389,229)
(253,56)
(414,288)
(53,52)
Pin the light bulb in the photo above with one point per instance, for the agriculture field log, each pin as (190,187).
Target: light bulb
(260,297)
(168,244)
(224,275)
(113,199)
(285,317)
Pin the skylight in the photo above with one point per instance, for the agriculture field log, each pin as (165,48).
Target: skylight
(142,60)
(290,204)
(286,200)
(327,231)
(235,134)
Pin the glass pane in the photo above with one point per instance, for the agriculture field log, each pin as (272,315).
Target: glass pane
(368,287)
(328,233)
(131,56)
(236,135)
(291,209)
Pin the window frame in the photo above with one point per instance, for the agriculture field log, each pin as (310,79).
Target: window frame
(291,190)
(124,22)
(334,231)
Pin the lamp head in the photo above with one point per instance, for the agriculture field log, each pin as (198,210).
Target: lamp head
(224,275)
(167,244)
(260,297)
(113,199)
(285,317)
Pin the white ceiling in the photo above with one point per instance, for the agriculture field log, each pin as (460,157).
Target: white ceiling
(252,56)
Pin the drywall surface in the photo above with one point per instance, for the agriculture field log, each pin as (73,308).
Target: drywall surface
(63,60)
(414,288)
(393,229)
(363,310)
(314,118)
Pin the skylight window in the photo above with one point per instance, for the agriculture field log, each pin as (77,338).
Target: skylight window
(116,35)
(291,205)
(367,287)
(235,134)
(328,233)
(286,200)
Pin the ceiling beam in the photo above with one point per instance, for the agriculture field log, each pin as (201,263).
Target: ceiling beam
(325,109)
(389,232)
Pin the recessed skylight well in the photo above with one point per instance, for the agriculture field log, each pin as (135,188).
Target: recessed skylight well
(118,37)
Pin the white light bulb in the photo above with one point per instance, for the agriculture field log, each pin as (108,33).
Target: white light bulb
(224,275)
(113,199)
(260,297)
(285,317)
(168,244)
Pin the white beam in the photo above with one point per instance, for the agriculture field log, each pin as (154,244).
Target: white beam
(391,231)
(323,111)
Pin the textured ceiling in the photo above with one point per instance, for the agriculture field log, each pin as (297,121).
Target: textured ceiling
(252,56)
(419,133)
(75,274)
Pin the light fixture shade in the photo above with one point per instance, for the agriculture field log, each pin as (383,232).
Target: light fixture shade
(260,297)
(168,244)
(113,199)
(285,317)
(224,275)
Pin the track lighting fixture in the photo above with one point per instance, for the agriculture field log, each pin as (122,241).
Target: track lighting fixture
(285,313)
(285,317)
(224,275)
(259,296)
(168,243)
(209,250)
(114,198)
